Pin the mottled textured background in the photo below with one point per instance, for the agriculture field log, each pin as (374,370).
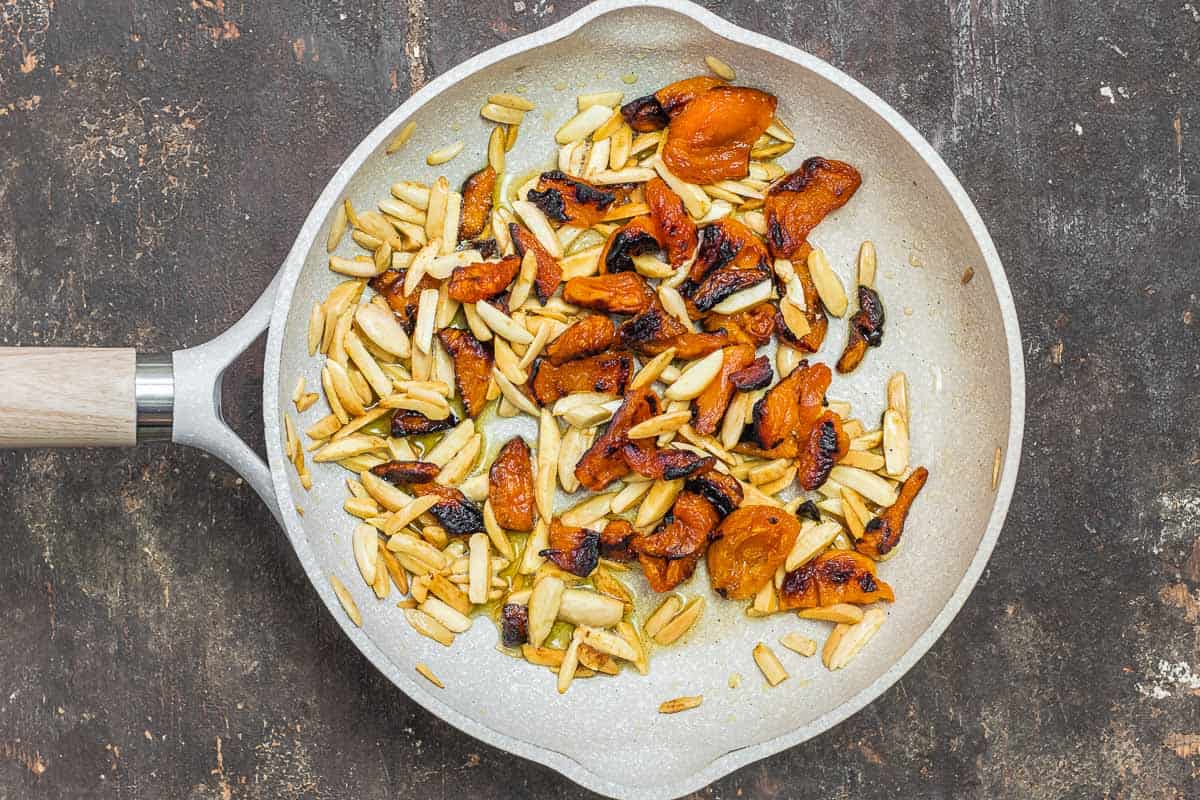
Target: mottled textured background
(157,637)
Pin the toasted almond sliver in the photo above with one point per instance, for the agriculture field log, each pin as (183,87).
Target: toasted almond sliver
(392,564)
(587,416)
(543,656)
(829,286)
(855,638)
(799,644)
(504,114)
(454,440)
(658,501)
(591,510)
(678,704)
(381,328)
(498,536)
(316,328)
(570,663)
(866,264)
(354,267)
(353,445)
(696,377)
(539,226)
(997,461)
(454,621)
(428,675)
(575,443)
(346,599)
(511,100)
(426,625)
(458,467)
(480,568)
(514,395)
(443,154)
(543,335)
(531,558)
(449,234)
(868,441)
(769,663)
(426,311)
(652,369)
(411,546)
(831,644)
(476,488)
(667,610)
(543,608)
(872,462)
(609,99)
(720,68)
(597,160)
(337,228)
(495,150)
(746,298)
(663,423)
(814,538)
(608,642)
(409,513)
(549,442)
(694,198)
(681,623)
(509,363)
(402,136)
(735,418)
(502,324)
(628,496)
(524,281)
(619,176)
(868,484)
(586,607)
(582,124)
(794,318)
(366,552)
(840,612)
(897,396)
(854,511)
(621,144)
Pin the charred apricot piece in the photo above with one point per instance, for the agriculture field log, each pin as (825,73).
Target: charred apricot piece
(639,235)
(576,550)
(615,539)
(748,546)
(753,326)
(454,512)
(721,283)
(514,624)
(472,367)
(645,459)
(406,471)
(654,330)
(723,491)
(882,533)
(483,280)
(607,373)
(710,139)
(591,335)
(825,445)
(664,574)
(549,274)
(684,532)
(791,406)
(866,330)
(835,576)
(604,461)
(726,242)
(653,112)
(615,293)
(710,405)
(390,285)
(814,313)
(755,375)
(796,203)
(569,200)
(414,423)
(476,203)
(676,231)
(510,486)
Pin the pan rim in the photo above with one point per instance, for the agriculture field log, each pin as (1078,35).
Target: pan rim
(738,757)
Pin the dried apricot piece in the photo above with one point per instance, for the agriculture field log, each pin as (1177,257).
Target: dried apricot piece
(710,405)
(482,280)
(615,539)
(414,423)
(866,330)
(814,310)
(604,461)
(569,200)
(790,407)
(835,576)
(654,330)
(453,511)
(476,203)
(406,471)
(653,112)
(749,545)
(576,550)
(472,367)
(755,375)
(753,326)
(796,203)
(615,293)
(549,274)
(677,234)
(510,486)
(882,534)
(637,236)
(710,139)
(390,286)
(664,574)
(684,532)
(591,335)
(607,373)
(824,445)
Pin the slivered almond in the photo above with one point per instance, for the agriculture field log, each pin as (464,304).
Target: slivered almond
(786,359)
(366,552)
(454,621)
(428,675)
(868,484)
(565,404)
(587,416)
(443,154)
(854,512)
(597,160)
(435,213)
(696,377)
(611,177)
(426,625)
(652,369)
(426,311)
(769,471)
(543,608)
(829,287)
(415,194)
(794,318)
(720,68)
(316,328)
(680,623)
(539,226)
(390,497)
(414,548)
(831,644)
(735,419)
(422,260)
(608,642)
(480,568)
(868,441)
(630,635)
(392,565)
(346,599)
(663,423)
(609,99)
(454,440)
(445,590)
(574,444)
(582,124)
(621,144)
(543,656)
(479,329)
(353,445)
(354,267)
(866,264)
(585,607)
(694,198)
(629,495)
(667,610)
(799,644)
(498,535)
(549,441)
(531,558)
(511,101)
(658,502)
(746,298)
(588,511)
(505,115)
(872,462)
(513,394)
(813,540)
(996,462)
(897,396)
(502,324)
(460,465)
(895,443)
(780,131)
(367,365)
(381,328)
(607,128)
(855,638)
(570,663)
(508,363)
(605,583)
(770,665)
(840,612)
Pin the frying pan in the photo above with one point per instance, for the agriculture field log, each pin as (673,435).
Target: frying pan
(957,340)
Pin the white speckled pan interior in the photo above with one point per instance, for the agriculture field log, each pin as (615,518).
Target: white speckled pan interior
(959,345)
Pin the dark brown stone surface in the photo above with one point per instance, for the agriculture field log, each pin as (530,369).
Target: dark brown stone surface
(157,637)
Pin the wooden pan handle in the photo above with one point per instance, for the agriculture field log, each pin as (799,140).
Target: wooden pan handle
(67,397)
